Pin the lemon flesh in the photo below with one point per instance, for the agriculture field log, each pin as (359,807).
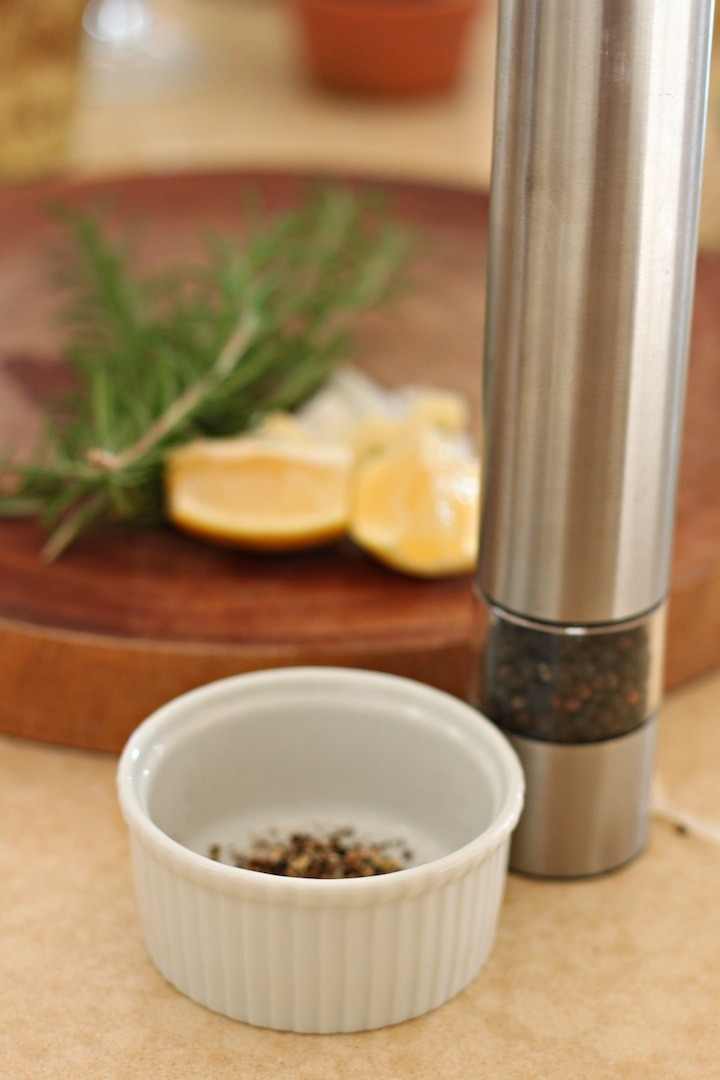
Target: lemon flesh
(264,494)
(415,506)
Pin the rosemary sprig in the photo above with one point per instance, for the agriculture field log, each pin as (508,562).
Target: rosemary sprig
(162,359)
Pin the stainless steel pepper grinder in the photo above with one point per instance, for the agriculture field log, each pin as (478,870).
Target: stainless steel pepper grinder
(599,122)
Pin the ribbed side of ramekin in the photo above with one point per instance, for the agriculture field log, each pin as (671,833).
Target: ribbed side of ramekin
(318,968)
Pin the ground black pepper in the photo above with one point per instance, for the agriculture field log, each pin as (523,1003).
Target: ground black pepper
(338,854)
(569,688)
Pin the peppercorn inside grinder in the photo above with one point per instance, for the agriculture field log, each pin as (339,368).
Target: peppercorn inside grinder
(599,121)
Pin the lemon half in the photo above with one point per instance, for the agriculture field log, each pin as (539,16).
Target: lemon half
(266,494)
(415,506)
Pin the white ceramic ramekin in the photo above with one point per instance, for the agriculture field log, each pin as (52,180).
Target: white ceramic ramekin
(318,748)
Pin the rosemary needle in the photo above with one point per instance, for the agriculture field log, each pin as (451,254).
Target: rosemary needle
(160,360)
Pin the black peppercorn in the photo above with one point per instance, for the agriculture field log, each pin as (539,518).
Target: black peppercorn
(556,686)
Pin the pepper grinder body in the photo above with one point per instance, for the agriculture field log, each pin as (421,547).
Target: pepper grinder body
(599,123)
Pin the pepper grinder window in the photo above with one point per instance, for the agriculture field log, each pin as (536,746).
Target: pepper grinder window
(599,122)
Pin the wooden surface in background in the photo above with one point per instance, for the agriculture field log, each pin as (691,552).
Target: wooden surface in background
(128,619)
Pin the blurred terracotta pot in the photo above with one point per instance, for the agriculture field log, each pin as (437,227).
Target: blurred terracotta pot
(391,47)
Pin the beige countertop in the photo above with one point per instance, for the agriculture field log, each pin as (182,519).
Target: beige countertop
(613,977)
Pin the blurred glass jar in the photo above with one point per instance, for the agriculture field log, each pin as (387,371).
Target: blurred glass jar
(40,45)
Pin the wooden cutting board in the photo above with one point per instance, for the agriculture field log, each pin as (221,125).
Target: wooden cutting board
(130,618)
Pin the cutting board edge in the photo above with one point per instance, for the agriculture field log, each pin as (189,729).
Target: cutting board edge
(93,694)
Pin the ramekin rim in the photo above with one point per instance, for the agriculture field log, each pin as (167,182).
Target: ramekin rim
(310,891)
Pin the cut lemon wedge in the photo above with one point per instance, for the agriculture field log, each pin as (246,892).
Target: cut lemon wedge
(353,408)
(415,506)
(262,493)
(437,410)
